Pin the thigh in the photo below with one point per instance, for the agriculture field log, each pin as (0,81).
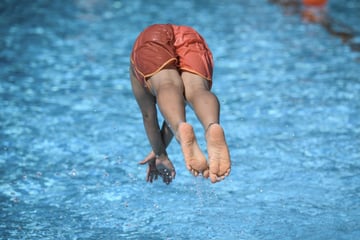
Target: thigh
(194,83)
(165,78)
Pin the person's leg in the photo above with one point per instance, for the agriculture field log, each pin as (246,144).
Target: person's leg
(168,88)
(197,93)
(206,107)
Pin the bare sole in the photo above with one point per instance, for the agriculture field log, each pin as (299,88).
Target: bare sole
(219,157)
(194,158)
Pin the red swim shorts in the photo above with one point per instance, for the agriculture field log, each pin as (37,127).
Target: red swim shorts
(161,45)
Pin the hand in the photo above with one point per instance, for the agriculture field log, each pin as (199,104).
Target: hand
(151,172)
(160,165)
(165,168)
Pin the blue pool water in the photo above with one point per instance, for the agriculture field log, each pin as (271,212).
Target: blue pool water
(71,133)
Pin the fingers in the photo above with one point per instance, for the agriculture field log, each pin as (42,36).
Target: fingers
(151,172)
(173,174)
(146,160)
(150,157)
(167,176)
(151,175)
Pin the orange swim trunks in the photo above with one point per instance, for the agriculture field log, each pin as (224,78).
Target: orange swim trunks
(161,45)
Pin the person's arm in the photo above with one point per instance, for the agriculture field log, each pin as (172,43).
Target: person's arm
(166,134)
(152,172)
(159,163)
(153,133)
(147,104)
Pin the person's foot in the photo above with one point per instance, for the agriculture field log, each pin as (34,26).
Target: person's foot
(194,158)
(219,157)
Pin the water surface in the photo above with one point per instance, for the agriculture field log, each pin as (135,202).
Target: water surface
(71,133)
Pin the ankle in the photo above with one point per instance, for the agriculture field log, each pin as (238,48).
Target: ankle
(211,124)
(178,130)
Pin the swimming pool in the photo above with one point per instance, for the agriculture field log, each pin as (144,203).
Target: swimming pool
(71,133)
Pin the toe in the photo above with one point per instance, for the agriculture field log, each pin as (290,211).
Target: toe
(205,173)
(213,178)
